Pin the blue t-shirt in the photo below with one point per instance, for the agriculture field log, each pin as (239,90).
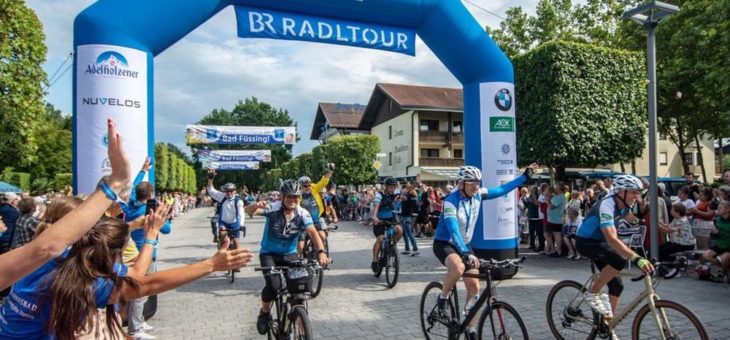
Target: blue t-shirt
(280,236)
(26,311)
(604,214)
(557,212)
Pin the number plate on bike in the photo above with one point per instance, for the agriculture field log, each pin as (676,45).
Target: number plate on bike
(297,273)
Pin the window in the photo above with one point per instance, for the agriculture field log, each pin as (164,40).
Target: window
(390,131)
(458,153)
(689,158)
(430,153)
(662,136)
(429,125)
(663,158)
(457,126)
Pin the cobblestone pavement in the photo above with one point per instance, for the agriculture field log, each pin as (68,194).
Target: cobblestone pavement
(355,305)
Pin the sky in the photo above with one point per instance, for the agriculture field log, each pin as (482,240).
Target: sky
(221,69)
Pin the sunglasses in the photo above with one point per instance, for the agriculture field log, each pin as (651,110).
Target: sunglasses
(305,185)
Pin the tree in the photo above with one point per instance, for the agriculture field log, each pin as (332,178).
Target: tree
(249,112)
(340,150)
(22,53)
(162,166)
(579,105)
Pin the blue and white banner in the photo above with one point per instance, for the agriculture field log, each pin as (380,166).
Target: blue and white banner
(231,165)
(234,155)
(209,134)
(264,23)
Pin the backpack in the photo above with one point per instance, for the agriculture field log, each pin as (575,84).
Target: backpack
(219,206)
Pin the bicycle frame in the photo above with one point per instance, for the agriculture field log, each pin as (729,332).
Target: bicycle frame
(648,294)
(487,297)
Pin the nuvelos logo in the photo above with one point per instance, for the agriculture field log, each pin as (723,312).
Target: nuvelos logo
(503,99)
(111,64)
(107,101)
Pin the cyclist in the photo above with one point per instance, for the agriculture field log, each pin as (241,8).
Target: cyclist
(383,211)
(455,229)
(285,221)
(312,202)
(597,239)
(230,209)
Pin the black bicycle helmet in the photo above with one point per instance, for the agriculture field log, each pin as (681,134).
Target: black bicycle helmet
(391,181)
(290,187)
(229,187)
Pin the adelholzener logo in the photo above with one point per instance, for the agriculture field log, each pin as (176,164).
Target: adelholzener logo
(501,124)
(111,63)
(503,99)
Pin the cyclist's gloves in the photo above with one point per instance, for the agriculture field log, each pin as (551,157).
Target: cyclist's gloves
(640,261)
(468,258)
(529,172)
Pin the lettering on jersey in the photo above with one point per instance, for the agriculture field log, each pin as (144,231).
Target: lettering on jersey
(449,211)
(606,216)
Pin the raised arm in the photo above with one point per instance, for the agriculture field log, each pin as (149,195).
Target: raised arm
(20,262)
(214,194)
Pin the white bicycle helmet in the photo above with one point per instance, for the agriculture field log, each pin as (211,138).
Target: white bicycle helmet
(470,173)
(305,180)
(627,182)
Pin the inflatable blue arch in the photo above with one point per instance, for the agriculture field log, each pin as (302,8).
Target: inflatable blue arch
(115,42)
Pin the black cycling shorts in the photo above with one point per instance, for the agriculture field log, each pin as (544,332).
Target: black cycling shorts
(443,249)
(600,252)
(379,229)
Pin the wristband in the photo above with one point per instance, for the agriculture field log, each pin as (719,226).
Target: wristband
(528,172)
(152,242)
(321,251)
(108,192)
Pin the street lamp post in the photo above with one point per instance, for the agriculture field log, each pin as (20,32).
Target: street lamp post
(650,15)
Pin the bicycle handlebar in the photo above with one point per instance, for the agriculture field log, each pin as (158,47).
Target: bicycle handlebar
(657,265)
(293,264)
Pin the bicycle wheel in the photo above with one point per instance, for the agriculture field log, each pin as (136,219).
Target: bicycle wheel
(504,323)
(232,271)
(299,325)
(434,324)
(677,321)
(568,315)
(391,266)
(317,279)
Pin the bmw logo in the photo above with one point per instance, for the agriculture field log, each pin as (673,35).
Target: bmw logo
(503,99)
(105,140)
(505,149)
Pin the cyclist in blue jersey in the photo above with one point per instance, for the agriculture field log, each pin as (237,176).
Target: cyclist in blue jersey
(597,239)
(383,213)
(455,229)
(285,220)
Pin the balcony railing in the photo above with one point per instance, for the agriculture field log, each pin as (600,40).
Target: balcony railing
(440,137)
(432,161)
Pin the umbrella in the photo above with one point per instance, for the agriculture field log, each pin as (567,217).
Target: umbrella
(7,187)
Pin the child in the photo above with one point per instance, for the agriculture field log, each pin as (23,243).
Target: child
(573,219)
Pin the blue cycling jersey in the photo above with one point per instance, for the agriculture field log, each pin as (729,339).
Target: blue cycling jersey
(280,235)
(604,214)
(460,213)
(386,205)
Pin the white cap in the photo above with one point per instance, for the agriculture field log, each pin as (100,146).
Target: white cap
(11,196)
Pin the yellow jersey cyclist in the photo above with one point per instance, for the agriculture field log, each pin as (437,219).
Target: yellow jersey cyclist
(312,202)
(285,221)
(455,230)
(597,239)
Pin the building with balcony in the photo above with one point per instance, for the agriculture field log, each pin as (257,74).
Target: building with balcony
(420,130)
(334,119)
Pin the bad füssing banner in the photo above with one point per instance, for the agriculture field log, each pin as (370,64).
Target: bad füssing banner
(231,165)
(211,134)
(234,155)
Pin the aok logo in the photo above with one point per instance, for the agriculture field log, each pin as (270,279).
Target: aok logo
(501,124)
(111,63)
(112,102)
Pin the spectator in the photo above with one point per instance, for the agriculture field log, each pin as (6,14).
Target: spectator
(27,224)
(572,222)
(662,194)
(719,254)
(542,199)
(726,177)
(680,233)
(601,190)
(534,221)
(522,213)
(555,218)
(10,214)
(588,200)
(409,205)
(684,198)
(702,219)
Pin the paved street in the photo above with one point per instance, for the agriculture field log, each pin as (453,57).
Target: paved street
(356,305)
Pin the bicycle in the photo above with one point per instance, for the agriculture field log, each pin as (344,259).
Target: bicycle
(292,319)
(222,233)
(504,320)
(309,253)
(388,256)
(571,317)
